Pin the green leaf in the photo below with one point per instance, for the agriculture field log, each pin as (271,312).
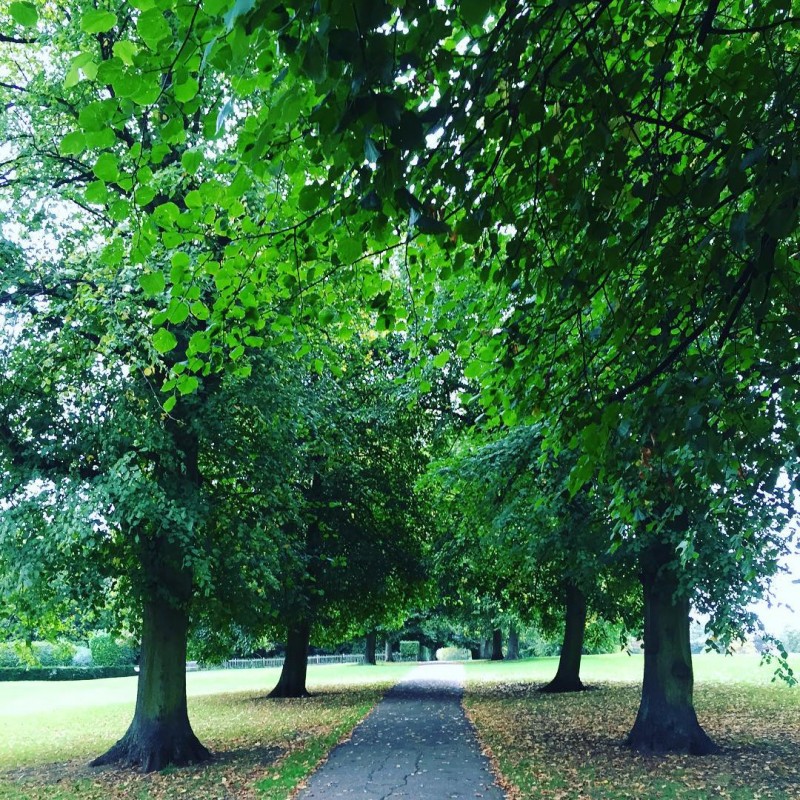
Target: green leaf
(178,312)
(24,14)
(200,342)
(191,160)
(152,27)
(474,369)
(164,340)
(200,311)
(96,192)
(106,167)
(81,67)
(169,403)
(308,198)
(474,12)
(152,283)
(73,144)
(125,51)
(350,249)
(238,9)
(187,384)
(441,359)
(224,113)
(187,90)
(98,21)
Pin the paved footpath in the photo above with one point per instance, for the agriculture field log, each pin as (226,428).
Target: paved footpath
(416,743)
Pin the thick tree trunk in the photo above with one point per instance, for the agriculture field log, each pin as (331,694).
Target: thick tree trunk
(666,721)
(475,652)
(160,733)
(292,682)
(369,648)
(512,651)
(497,645)
(486,649)
(568,675)
(387,650)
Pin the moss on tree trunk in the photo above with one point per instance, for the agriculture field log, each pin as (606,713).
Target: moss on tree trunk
(292,682)
(568,675)
(160,733)
(666,721)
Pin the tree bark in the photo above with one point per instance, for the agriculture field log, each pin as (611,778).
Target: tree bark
(387,649)
(486,649)
(369,648)
(666,721)
(497,645)
(568,675)
(512,651)
(160,733)
(292,682)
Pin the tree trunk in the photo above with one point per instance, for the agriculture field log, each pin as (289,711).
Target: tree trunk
(486,649)
(512,651)
(160,733)
(497,645)
(568,675)
(292,682)
(387,649)
(475,652)
(666,721)
(369,649)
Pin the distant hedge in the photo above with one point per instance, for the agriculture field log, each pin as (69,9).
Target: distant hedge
(65,673)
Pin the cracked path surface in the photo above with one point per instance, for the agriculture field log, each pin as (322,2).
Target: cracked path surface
(416,743)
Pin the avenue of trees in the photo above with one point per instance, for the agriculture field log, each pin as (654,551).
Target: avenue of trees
(318,315)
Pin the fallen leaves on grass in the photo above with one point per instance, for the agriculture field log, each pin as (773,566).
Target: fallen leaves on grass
(569,747)
(262,748)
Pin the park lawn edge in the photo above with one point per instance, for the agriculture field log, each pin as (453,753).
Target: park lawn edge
(294,767)
(511,790)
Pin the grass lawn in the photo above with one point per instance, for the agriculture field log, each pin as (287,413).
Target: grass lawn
(569,747)
(262,748)
(551,747)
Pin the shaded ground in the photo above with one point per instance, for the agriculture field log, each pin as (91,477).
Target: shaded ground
(417,743)
(569,747)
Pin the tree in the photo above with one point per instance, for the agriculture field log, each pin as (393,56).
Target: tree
(357,545)
(513,492)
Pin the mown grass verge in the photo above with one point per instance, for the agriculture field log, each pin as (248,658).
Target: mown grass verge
(570,747)
(262,748)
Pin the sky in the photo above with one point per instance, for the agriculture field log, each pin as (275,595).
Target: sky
(785,609)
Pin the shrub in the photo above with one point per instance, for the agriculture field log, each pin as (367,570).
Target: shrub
(409,650)
(58,654)
(540,646)
(64,673)
(453,654)
(8,656)
(110,652)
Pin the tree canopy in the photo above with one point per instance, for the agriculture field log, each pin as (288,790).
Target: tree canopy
(257,257)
